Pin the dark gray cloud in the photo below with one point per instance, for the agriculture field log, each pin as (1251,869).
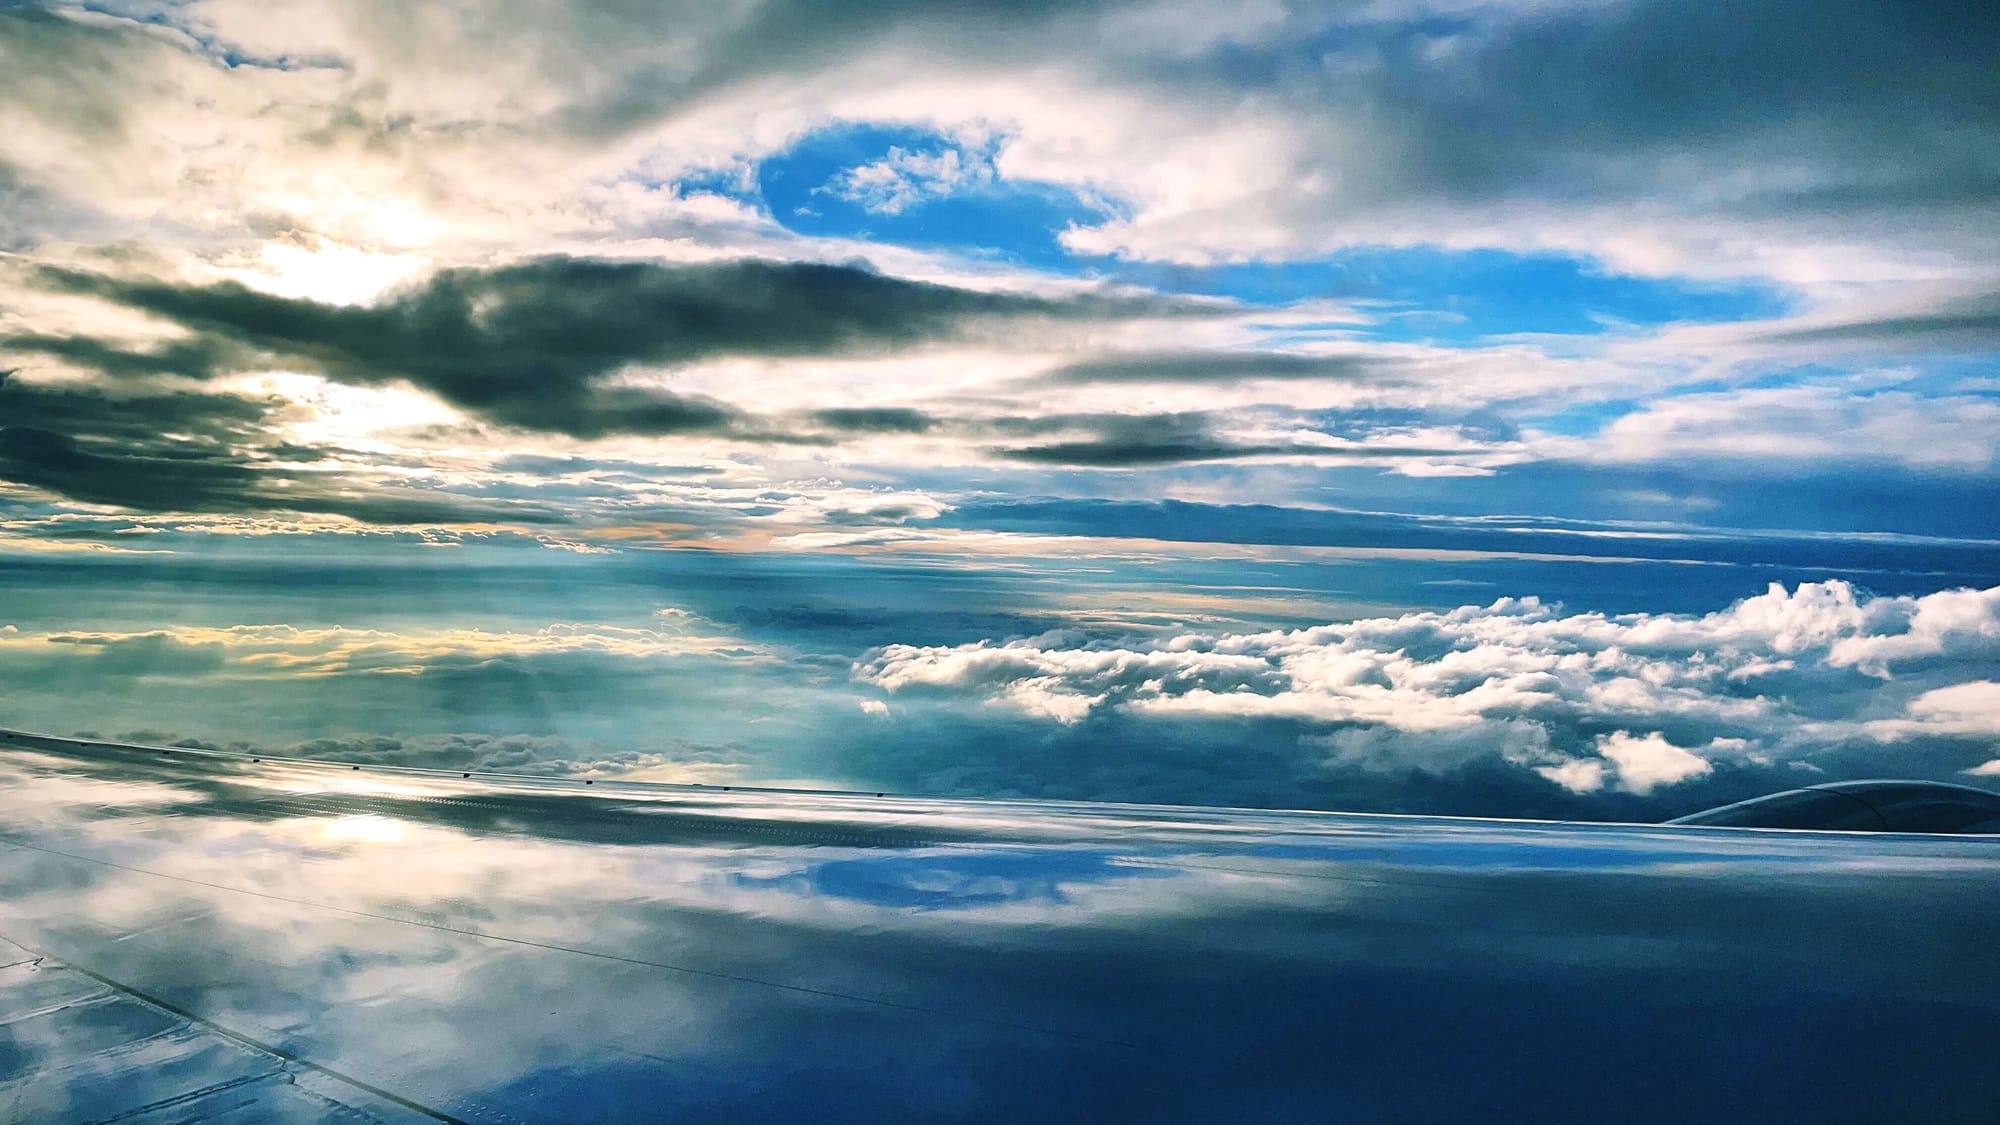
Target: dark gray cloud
(207,421)
(1890,97)
(1138,441)
(181,480)
(1139,450)
(199,452)
(530,345)
(195,358)
(876,420)
(1955,325)
(61,464)
(1856,120)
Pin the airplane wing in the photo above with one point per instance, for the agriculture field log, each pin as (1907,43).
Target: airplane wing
(191,936)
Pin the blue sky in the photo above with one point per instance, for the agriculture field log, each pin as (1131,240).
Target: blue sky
(1548,409)
(1418,292)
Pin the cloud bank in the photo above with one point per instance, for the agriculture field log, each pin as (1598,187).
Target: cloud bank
(1638,702)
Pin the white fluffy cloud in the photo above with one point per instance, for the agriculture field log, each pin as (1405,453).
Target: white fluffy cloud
(1643,763)
(892,184)
(1645,700)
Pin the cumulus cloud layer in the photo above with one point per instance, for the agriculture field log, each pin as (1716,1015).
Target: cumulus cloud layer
(1640,701)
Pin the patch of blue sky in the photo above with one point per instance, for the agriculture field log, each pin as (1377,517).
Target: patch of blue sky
(1621,529)
(1859,378)
(811,189)
(1460,296)
(1583,419)
(1972,374)
(1769,379)
(915,187)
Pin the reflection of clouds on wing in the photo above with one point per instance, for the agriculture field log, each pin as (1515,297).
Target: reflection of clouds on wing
(1773,677)
(958,881)
(515,966)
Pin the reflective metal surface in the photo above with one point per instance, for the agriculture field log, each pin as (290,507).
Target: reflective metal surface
(200,935)
(1864,806)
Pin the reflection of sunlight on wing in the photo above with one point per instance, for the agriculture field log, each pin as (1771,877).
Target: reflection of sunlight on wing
(366,828)
(42,795)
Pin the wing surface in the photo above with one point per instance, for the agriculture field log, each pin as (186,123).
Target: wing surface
(197,936)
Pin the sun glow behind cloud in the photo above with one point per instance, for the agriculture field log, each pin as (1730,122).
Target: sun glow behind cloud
(316,268)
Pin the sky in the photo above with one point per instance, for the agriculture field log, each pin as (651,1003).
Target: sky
(1550,408)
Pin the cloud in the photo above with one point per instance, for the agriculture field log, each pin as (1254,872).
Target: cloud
(533,345)
(194,358)
(189,451)
(1948,323)
(906,178)
(1640,764)
(597,683)
(1118,441)
(339,651)
(1139,442)
(1969,709)
(1578,775)
(510,268)
(1791,427)
(876,420)
(1975,706)
(1673,146)
(632,141)
(1650,700)
(1637,133)
(1644,763)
